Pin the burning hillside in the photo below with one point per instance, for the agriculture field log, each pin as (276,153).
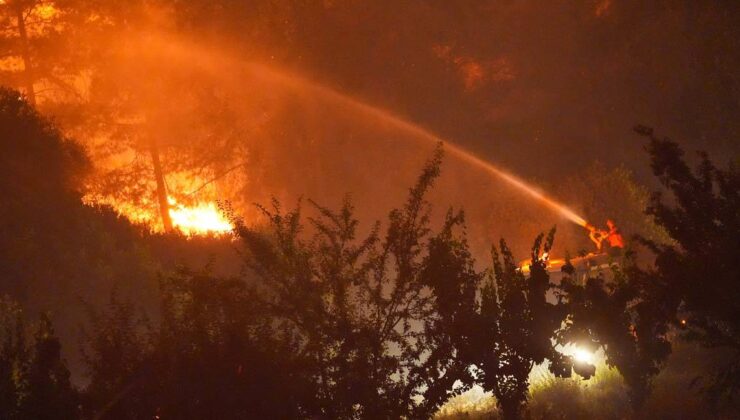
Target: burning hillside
(314,209)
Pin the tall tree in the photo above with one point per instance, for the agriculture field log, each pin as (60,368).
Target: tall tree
(30,194)
(12,356)
(41,43)
(47,391)
(33,377)
(616,315)
(355,309)
(522,325)
(689,291)
(694,281)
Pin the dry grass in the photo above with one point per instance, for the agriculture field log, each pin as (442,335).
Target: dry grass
(605,396)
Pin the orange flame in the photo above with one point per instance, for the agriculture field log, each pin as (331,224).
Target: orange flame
(191,217)
(203,218)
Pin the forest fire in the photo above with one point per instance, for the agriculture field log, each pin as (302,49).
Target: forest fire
(203,218)
(318,209)
(199,218)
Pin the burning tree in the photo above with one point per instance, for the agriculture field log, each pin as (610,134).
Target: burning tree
(73,60)
(30,28)
(45,48)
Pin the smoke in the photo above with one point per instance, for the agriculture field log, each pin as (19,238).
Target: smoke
(543,90)
(245,132)
(246,101)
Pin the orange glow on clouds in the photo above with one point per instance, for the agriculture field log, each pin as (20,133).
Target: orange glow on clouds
(602,8)
(473,72)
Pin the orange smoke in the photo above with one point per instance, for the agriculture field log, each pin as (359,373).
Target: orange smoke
(602,9)
(475,72)
(418,133)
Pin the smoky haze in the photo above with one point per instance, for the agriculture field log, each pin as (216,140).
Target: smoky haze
(186,108)
(235,96)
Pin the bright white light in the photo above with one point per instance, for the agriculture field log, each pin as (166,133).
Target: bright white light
(583,356)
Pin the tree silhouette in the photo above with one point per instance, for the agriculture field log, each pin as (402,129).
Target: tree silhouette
(521,324)
(48,49)
(693,285)
(115,345)
(41,173)
(56,250)
(324,324)
(12,356)
(212,353)
(614,315)
(454,330)
(34,379)
(355,308)
(47,392)
(690,289)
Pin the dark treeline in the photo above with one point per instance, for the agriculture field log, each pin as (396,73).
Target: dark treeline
(325,323)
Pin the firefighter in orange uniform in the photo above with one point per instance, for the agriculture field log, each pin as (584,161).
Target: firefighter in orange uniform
(597,236)
(613,236)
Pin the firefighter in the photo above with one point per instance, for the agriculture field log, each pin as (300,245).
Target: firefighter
(597,236)
(614,237)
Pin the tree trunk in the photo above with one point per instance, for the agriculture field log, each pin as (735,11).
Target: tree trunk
(164,205)
(511,409)
(26,56)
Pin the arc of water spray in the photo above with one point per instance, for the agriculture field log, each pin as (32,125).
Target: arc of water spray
(183,51)
(422,133)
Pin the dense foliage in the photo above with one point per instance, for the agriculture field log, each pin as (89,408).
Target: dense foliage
(34,380)
(694,284)
(337,320)
(385,326)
